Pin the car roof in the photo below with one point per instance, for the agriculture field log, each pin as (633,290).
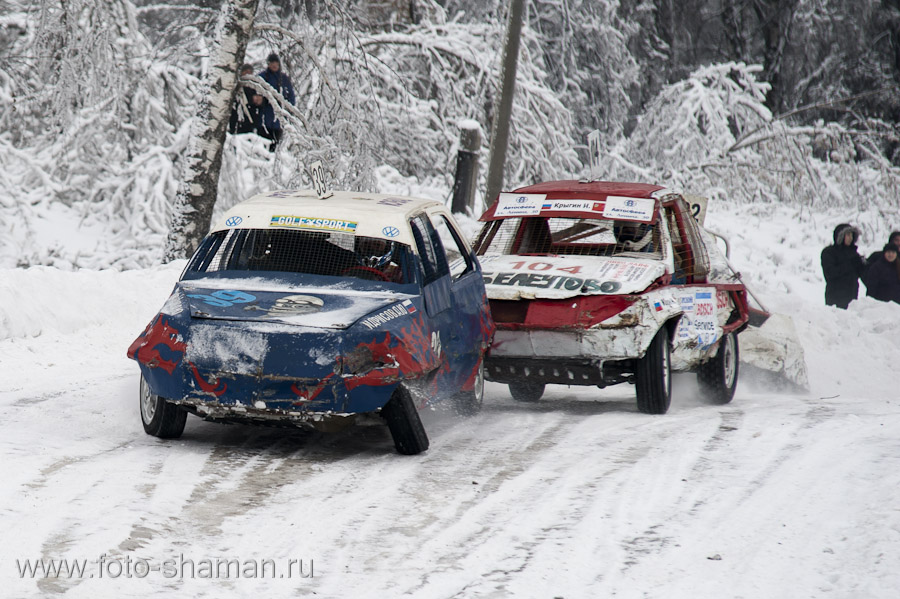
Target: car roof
(368,214)
(579,199)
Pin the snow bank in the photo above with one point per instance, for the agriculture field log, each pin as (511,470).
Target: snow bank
(41,299)
(777,248)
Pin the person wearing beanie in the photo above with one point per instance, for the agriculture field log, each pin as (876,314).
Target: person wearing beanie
(842,266)
(893,239)
(278,79)
(883,280)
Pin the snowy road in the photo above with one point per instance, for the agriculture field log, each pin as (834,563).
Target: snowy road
(576,496)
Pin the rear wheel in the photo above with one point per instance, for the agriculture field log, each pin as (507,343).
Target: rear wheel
(718,377)
(468,403)
(404,423)
(653,378)
(160,417)
(526,391)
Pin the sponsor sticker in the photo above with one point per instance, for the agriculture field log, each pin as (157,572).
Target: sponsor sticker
(570,206)
(699,321)
(623,270)
(544,281)
(313,224)
(282,193)
(663,304)
(629,208)
(520,204)
(394,201)
(395,311)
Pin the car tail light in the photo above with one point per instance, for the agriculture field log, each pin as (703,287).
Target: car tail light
(509,311)
(576,312)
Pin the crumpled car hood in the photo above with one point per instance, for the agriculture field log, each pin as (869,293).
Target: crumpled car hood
(509,277)
(308,307)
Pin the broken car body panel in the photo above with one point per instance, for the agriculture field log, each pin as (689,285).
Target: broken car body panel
(258,328)
(582,275)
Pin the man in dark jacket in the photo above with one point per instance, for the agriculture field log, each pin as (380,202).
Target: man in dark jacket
(246,113)
(883,278)
(274,76)
(842,266)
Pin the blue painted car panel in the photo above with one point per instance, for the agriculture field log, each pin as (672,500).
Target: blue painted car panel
(297,345)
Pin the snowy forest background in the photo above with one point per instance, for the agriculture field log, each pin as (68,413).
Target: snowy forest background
(794,102)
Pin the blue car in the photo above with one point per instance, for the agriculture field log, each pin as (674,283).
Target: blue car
(306,311)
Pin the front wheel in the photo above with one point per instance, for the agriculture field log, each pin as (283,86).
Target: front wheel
(404,423)
(526,391)
(653,379)
(718,377)
(161,418)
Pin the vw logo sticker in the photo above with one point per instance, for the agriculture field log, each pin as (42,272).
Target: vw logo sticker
(234,221)
(390,231)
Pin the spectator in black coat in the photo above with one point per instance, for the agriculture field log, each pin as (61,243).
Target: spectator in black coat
(278,79)
(842,266)
(883,279)
(246,113)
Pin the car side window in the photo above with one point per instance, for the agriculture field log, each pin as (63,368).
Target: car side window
(431,251)
(458,256)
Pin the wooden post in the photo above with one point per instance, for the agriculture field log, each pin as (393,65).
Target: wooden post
(466,168)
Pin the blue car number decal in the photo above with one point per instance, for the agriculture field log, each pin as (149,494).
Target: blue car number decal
(224,298)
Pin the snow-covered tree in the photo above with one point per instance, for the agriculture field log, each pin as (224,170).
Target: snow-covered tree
(196,198)
(713,134)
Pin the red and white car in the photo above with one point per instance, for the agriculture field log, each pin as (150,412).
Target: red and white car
(599,283)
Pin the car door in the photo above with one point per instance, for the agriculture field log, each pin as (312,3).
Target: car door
(435,275)
(466,337)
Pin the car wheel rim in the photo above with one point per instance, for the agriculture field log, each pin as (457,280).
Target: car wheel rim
(479,383)
(728,360)
(666,370)
(148,402)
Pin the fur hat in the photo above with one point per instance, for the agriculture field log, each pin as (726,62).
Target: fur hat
(890,248)
(841,230)
(273,58)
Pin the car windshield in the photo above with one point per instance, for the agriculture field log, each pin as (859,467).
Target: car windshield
(571,236)
(305,252)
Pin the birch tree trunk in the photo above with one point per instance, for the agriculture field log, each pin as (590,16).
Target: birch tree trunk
(195,200)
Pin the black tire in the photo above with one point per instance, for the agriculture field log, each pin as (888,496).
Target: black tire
(160,417)
(404,423)
(654,376)
(469,403)
(718,377)
(526,391)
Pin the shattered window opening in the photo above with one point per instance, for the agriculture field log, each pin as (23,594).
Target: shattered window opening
(305,252)
(570,236)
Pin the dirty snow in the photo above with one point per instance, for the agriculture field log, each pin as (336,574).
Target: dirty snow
(579,495)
